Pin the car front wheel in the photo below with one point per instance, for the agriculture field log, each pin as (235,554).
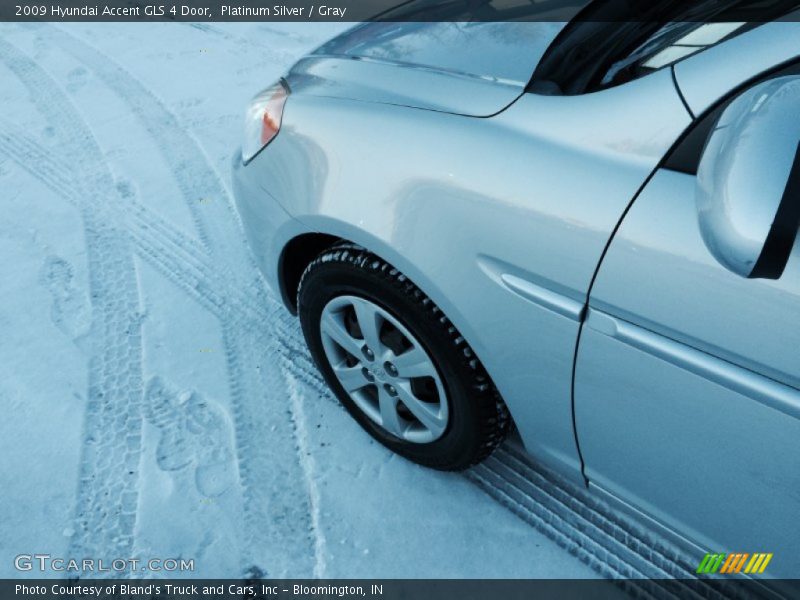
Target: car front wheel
(396,362)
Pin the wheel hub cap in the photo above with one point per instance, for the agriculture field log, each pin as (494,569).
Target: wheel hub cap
(384,369)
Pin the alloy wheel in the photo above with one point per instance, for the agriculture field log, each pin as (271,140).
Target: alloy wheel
(384,369)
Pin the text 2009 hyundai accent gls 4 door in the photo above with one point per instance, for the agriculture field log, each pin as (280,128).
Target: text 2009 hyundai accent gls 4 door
(584,230)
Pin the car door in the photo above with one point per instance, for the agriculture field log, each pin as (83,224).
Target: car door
(687,387)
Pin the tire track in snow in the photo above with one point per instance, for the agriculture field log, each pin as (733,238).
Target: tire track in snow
(191,270)
(307,462)
(204,194)
(177,257)
(584,524)
(105,513)
(269,464)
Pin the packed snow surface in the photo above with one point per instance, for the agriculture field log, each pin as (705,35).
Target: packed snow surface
(158,402)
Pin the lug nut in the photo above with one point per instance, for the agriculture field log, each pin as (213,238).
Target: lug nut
(368,354)
(390,389)
(367,375)
(390,369)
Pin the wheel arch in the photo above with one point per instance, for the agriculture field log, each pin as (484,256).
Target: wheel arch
(296,255)
(323,231)
(302,249)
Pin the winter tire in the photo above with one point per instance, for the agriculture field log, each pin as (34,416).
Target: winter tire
(396,362)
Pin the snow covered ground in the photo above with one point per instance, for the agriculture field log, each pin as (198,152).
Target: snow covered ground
(157,402)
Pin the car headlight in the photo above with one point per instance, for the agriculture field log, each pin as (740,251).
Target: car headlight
(263,119)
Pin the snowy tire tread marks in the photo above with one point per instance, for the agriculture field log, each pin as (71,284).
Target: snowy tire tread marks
(106,508)
(272,485)
(176,256)
(614,545)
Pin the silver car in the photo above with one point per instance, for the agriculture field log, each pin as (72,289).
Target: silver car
(583,231)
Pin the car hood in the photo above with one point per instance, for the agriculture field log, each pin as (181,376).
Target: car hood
(474,69)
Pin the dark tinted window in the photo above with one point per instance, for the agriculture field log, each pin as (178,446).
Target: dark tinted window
(668,45)
(612,42)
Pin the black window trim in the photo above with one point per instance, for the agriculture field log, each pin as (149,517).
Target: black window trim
(604,30)
(684,155)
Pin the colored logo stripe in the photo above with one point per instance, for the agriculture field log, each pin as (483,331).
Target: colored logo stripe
(734,562)
(710,563)
(758,563)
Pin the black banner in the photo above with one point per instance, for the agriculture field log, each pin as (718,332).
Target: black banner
(392,589)
(399,10)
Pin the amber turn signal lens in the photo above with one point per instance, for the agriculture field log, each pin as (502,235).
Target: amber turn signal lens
(263,119)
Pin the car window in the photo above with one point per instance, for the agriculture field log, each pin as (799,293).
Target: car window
(671,43)
(610,43)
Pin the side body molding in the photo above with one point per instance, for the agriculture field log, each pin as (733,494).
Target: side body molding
(773,394)
(542,294)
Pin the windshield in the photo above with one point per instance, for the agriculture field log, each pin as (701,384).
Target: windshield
(671,43)
(612,42)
